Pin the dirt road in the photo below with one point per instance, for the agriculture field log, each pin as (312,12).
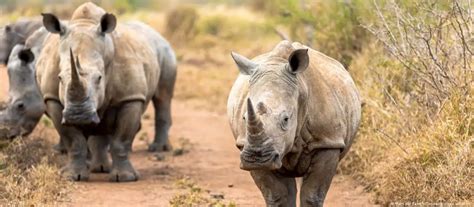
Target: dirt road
(212,161)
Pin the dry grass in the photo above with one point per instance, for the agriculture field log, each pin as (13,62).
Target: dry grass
(196,196)
(29,174)
(205,88)
(415,142)
(402,153)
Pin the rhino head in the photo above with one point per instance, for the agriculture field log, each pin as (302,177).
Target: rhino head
(86,48)
(25,106)
(271,114)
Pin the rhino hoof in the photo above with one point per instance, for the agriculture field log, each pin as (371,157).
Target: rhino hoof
(78,175)
(156,147)
(100,168)
(123,176)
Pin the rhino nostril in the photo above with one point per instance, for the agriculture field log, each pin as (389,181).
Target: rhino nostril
(240,146)
(275,157)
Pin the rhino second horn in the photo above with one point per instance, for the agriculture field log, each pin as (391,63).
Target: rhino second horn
(254,124)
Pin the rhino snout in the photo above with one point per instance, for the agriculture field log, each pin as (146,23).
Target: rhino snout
(80,115)
(260,159)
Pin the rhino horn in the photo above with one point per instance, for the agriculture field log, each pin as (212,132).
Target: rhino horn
(74,73)
(254,124)
(76,90)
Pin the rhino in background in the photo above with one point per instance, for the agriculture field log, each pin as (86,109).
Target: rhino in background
(25,106)
(97,77)
(15,33)
(294,112)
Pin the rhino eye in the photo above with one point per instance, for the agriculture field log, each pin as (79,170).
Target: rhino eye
(20,106)
(284,122)
(99,78)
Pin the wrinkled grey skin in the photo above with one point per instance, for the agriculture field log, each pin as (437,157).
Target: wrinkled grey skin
(25,106)
(100,94)
(294,112)
(19,91)
(15,33)
(162,103)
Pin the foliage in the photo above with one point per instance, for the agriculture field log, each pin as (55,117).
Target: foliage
(333,27)
(181,23)
(195,196)
(415,142)
(29,174)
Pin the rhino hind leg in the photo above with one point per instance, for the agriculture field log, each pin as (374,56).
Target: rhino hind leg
(98,146)
(162,105)
(75,143)
(317,180)
(276,190)
(127,126)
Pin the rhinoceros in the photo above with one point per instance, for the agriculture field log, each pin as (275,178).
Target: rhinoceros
(294,112)
(97,77)
(16,33)
(25,106)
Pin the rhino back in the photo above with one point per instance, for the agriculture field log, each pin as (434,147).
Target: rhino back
(27,27)
(134,72)
(165,53)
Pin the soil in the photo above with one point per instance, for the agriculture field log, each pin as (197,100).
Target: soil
(209,158)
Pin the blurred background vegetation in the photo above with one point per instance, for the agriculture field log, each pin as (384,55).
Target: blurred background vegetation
(412,62)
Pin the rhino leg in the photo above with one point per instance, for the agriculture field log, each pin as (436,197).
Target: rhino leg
(162,105)
(317,180)
(127,126)
(60,147)
(276,190)
(74,141)
(98,146)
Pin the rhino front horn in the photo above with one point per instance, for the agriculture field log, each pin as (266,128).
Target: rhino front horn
(74,72)
(77,89)
(254,124)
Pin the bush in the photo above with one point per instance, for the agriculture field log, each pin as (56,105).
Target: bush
(416,137)
(333,27)
(29,174)
(231,27)
(181,23)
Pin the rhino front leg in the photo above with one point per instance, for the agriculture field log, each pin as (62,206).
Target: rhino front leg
(60,146)
(317,180)
(162,105)
(127,126)
(74,141)
(98,146)
(276,190)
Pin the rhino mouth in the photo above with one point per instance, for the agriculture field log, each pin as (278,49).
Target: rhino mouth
(80,114)
(260,159)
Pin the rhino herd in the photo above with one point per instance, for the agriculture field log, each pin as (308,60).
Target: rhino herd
(293,111)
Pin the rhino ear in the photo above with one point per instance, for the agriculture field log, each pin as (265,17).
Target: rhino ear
(108,22)
(298,60)
(26,56)
(245,65)
(52,24)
